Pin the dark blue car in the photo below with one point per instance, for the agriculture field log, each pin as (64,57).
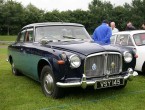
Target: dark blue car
(61,55)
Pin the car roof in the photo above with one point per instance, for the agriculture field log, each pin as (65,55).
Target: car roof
(130,32)
(52,24)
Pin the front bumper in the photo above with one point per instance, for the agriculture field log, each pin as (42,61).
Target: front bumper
(84,82)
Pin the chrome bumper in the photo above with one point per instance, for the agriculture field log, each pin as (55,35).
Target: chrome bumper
(84,83)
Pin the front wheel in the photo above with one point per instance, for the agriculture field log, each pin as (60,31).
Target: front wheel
(48,83)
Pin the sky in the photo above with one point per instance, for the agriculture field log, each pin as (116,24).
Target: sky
(64,5)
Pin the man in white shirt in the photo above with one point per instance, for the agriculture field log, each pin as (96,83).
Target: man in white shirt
(114,30)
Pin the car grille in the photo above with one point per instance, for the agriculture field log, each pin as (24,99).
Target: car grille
(102,64)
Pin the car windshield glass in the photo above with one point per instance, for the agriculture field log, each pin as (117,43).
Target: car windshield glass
(61,33)
(139,39)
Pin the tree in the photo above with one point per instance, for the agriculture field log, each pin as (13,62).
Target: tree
(12,16)
(99,11)
(138,12)
(32,15)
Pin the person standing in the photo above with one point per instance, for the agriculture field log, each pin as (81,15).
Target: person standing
(129,26)
(113,27)
(102,33)
(143,25)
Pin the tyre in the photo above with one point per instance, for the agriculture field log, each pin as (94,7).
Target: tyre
(14,70)
(48,84)
(143,68)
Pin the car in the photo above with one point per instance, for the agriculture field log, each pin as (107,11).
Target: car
(136,40)
(61,55)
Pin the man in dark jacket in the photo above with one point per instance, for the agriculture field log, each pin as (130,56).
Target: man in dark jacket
(102,33)
(129,26)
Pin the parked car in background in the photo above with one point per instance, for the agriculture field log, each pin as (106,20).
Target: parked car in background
(62,55)
(134,39)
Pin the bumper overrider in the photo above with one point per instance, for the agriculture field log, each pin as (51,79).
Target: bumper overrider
(130,74)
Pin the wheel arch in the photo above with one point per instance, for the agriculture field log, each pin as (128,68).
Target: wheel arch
(143,67)
(41,64)
(10,59)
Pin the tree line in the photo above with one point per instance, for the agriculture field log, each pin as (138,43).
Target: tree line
(13,15)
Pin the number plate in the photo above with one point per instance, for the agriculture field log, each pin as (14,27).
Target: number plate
(109,83)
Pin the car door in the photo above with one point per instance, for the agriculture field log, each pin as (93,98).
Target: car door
(139,40)
(29,57)
(17,51)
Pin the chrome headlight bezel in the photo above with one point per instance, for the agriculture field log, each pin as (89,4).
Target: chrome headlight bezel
(75,61)
(127,57)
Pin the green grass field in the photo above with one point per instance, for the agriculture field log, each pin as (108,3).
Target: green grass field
(7,38)
(22,93)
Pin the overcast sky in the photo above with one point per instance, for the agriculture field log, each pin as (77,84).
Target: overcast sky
(63,5)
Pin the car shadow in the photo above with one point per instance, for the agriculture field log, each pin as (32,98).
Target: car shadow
(91,93)
(141,73)
(79,93)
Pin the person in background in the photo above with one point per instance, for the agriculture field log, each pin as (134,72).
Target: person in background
(143,25)
(113,27)
(129,26)
(102,33)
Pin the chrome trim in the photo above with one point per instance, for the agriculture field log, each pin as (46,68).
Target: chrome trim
(7,60)
(84,83)
(71,61)
(124,56)
(105,61)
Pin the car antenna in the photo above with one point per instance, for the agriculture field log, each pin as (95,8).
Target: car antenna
(58,18)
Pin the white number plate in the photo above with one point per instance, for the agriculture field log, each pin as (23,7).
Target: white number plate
(109,83)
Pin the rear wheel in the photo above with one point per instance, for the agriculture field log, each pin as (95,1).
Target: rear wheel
(48,83)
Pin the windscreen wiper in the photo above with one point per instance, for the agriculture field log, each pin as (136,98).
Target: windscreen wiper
(69,37)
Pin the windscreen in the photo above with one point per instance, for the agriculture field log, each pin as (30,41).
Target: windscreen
(61,33)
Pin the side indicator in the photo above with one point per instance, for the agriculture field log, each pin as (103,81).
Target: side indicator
(60,62)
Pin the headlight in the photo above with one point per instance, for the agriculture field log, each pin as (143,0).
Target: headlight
(75,61)
(127,57)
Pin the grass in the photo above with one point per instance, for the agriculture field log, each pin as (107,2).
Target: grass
(7,38)
(22,93)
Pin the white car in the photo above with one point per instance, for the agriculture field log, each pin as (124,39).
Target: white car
(136,40)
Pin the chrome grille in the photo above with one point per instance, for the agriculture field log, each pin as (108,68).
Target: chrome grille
(113,63)
(101,64)
(94,66)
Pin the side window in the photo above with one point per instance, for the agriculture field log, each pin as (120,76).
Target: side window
(122,39)
(21,36)
(29,35)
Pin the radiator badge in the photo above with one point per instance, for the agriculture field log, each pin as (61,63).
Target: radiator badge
(94,67)
(113,65)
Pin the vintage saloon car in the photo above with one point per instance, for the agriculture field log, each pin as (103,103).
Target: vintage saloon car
(136,40)
(61,55)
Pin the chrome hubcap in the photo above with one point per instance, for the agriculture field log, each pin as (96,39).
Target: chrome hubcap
(48,83)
